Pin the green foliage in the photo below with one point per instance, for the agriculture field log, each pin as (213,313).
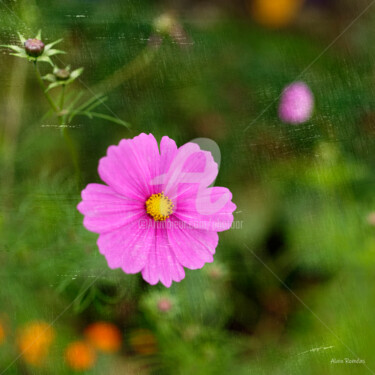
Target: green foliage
(62,78)
(44,57)
(291,288)
(57,81)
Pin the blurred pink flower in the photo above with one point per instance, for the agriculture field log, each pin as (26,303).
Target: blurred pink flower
(296,104)
(158,213)
(165,304)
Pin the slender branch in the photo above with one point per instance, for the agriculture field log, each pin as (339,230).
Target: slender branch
(129,70)
(41,84)
(62,98)
(68,139)
(73,152)
(59,110)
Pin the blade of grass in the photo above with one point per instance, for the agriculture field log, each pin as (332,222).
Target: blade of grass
(84,105)
(105,117)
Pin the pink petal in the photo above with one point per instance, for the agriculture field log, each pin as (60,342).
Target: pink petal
(191,168)
(162,264)
(105,210)
(168,151)
(211,210)
(129,246)
(129,167)
(192,247)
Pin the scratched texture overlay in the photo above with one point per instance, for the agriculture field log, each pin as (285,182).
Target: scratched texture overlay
(292,287)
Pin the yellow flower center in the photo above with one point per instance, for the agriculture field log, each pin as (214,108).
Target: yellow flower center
(159,207)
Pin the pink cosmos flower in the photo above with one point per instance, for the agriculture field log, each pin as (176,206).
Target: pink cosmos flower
(157,213)
(296,104)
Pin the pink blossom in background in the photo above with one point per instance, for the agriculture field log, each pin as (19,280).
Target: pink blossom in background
(157,213)
(296,104)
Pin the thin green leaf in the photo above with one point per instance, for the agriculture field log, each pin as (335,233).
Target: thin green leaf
(89,102)
(85,105)
(47,115)
(76,73)
(53,52)
(45,59)
(23,56)
(74,101)
(13,47)
(50,45)
(84,298)
(39,35)
(105,117)
(53,85)
(96,104)
(108,299)
(69,95)
(64,284)
(22,38)
(49,77)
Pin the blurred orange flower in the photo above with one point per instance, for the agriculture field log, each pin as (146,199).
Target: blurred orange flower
(143,342)
(2,333)
(274,13)
(80,356)
(104,336)
(34,341)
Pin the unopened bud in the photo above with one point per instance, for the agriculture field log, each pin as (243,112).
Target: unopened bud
(296,104)
(164,305)
(215,273)
(371,219)
(34,47)
(164,23)
(62,74)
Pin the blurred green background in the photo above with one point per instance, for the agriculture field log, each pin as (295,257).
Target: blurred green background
(292,290)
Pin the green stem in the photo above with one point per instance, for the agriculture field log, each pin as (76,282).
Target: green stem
(64,127)
(41,84)
(128,71)
(62,98)
(62,116)
(73,152)
(68,139)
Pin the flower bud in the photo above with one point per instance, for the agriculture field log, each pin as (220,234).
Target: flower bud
(371,219)
(2,333)
(80,356)
(104,336)
(143,342)
(34,47)
(62,74)
(274,13)
(167,25)
(164,23)
(164,305)
(296,104)
(191,332)
(34,341)
(215,273)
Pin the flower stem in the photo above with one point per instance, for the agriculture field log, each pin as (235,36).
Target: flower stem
(62,98)
(59,110)
(68,139)
(129,70)
(73,152)
(41,84)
